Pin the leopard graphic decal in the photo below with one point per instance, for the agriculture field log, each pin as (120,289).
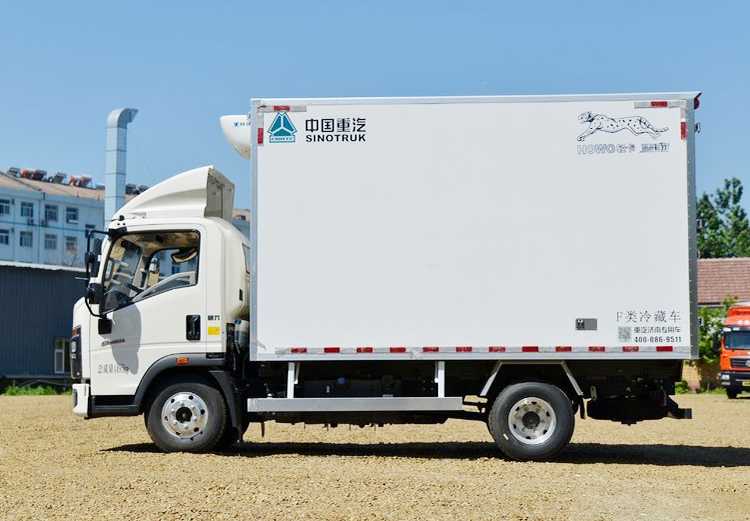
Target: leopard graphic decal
(600,122)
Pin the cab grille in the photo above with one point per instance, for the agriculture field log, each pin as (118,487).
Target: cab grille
(740,363)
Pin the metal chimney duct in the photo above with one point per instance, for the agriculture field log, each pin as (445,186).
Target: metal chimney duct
(115,160)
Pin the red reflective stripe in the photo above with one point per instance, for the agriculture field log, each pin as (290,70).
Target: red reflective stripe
(463,349)
(260,136)
(563,349)
(530,349)
(683,130)
(298,350)
(366,349)
(630,349)
(398,349)
(497,349)
(430,349)
(281,108)
(659,103)
(596,349)
(663,349)
(331,349)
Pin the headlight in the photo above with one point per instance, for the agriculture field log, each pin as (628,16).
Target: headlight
(724,376)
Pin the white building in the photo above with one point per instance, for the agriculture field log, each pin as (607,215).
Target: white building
(45,221)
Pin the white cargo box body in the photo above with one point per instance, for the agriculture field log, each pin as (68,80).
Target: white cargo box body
(554,227)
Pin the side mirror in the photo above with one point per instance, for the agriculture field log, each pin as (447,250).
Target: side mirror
(105,326)
(92,258)
(94,293)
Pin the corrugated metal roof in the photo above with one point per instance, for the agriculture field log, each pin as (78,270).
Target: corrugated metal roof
(64,190)
(16,183)
(31,265)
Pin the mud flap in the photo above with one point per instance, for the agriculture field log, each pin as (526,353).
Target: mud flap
(676,412)
(234,403)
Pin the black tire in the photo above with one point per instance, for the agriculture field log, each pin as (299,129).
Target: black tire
(539,398)
(203,427)
(732,393)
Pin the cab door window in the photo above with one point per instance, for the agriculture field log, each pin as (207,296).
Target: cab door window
(142,265)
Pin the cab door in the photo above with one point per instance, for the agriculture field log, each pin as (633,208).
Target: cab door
(155,296)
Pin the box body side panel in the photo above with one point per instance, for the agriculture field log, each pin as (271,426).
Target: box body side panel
(473,224)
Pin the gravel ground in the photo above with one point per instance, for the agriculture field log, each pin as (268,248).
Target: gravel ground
(56,466)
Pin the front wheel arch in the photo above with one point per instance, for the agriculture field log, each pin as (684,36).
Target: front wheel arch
(214,376)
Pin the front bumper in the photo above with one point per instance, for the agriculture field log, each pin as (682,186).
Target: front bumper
(81,393)
(735,379)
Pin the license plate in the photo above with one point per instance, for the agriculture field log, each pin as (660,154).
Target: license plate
(746,383)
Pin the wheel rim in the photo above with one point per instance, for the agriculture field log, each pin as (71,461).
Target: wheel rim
(532,421)
(184,415)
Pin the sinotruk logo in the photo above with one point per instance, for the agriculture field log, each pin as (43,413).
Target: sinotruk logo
(282,129)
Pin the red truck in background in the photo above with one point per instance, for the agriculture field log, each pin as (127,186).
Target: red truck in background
(735,350)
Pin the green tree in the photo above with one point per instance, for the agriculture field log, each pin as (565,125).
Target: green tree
(724,229)
(709,335)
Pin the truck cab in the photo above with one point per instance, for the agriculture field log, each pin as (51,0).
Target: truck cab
(168,293)
(734,361)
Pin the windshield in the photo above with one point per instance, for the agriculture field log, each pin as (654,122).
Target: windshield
(141,265)
(737,340)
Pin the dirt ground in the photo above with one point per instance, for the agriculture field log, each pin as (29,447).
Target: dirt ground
(56,466)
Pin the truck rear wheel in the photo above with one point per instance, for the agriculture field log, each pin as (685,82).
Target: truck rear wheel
(187,416)
(531,421)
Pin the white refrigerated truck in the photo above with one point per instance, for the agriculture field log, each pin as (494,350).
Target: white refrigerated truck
(514,260)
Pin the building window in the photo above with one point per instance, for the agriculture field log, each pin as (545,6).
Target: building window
(71,215)
(27,210)
(4,206)
(50,241)
(71,244)
(4,237)
(50,213)
(62,355)
(26,239)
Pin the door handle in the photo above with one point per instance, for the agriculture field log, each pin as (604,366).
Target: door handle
(193,327)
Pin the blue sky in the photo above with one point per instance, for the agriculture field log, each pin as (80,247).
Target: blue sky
(65,65)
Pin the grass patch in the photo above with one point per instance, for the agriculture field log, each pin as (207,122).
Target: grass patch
(714,390)
(36,390)
(682,388)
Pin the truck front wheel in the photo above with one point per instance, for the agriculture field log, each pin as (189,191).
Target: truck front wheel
(187,416)
(732,393)
(531,421)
